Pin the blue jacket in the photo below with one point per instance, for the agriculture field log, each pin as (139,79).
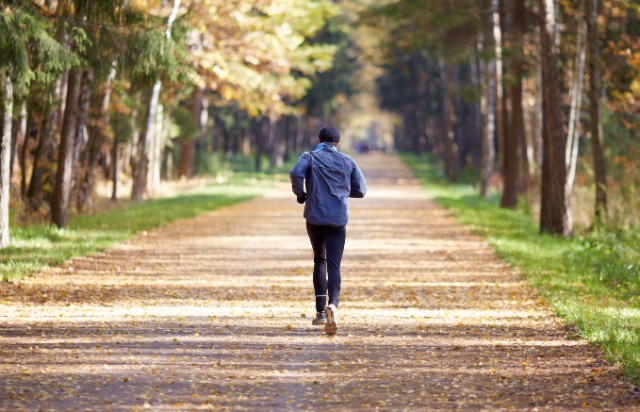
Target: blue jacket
(331,178)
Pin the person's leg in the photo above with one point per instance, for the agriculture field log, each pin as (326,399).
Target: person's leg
(317,238)
(334,242)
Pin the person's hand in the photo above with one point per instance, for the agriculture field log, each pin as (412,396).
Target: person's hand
(301,199)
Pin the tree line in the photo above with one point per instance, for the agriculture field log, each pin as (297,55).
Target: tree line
(516,88)
(139,91)
(145,88)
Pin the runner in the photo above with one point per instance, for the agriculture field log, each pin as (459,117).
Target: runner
(330,178)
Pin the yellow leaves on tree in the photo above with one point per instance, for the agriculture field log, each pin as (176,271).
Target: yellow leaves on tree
(256,52)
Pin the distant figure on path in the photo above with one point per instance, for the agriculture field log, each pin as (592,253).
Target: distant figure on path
(330,178)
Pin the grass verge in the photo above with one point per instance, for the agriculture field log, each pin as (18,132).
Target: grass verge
(35,247)
(590,281)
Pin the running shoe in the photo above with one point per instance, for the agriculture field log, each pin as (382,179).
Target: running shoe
(331,313)
(320,319)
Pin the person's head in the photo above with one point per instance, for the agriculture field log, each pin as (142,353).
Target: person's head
(329,135)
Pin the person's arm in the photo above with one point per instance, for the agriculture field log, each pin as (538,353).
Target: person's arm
(297,175)
(358,184)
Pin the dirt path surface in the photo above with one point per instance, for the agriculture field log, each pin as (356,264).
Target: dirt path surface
(215,313)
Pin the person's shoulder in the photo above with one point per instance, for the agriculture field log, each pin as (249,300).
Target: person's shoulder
(343,155)
(347,158)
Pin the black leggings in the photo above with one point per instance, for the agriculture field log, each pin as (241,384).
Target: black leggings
(328,244)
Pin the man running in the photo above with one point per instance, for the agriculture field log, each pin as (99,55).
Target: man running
(330,178)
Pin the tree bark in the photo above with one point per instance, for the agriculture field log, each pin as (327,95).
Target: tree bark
(446,74)
(538,118)
(553,212)
(62,189)
(141,163)
(5,159)
(488,109)
(187,154)
(260,137)
(44,158)
(475,123)
(97,126)
(573,135)
(595,127)
(114,169)
(513,140)
(275,141)
(19,139)
(27,125)
(81,130)
(155,152)
(497,38)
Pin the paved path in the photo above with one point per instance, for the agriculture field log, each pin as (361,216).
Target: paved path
(215,312)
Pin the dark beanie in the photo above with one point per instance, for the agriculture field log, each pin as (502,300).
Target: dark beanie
(329,134)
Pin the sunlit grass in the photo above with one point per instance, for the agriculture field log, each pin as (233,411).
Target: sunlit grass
(591,281)
(35,247)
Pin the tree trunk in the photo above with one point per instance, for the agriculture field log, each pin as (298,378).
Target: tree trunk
(528,166)
(27,125)
(168,170)
(553,212)
(446,73)
(155,152)
(189,147)
(62,189)
(477,78)
(497,38)
(19,139)
(434,91)
(114,169)
(5,159)
(513,141)
(538,118)
(141,163)
(44,158)
(62,93)
(275,139)
(462,127)
(97,126)
(81,130)
(573,135)
(260,144)
(597,145)
(488,108)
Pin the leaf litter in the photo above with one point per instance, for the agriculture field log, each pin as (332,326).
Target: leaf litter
(214,313)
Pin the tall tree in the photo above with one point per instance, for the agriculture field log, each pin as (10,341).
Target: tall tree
(573,134)
(62,190)
(141,163)
(21,25)
(496,7)
(553,212)
(488,100)
(5,158)
(187,155)
(597,146)
(448,131)
(90,18)
(512,149)
(97,130)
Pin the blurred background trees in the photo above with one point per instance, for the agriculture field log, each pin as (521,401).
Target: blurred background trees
(537,98)
(524,94)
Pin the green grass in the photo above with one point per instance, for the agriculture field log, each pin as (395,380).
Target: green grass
(34,247)
(591,281)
